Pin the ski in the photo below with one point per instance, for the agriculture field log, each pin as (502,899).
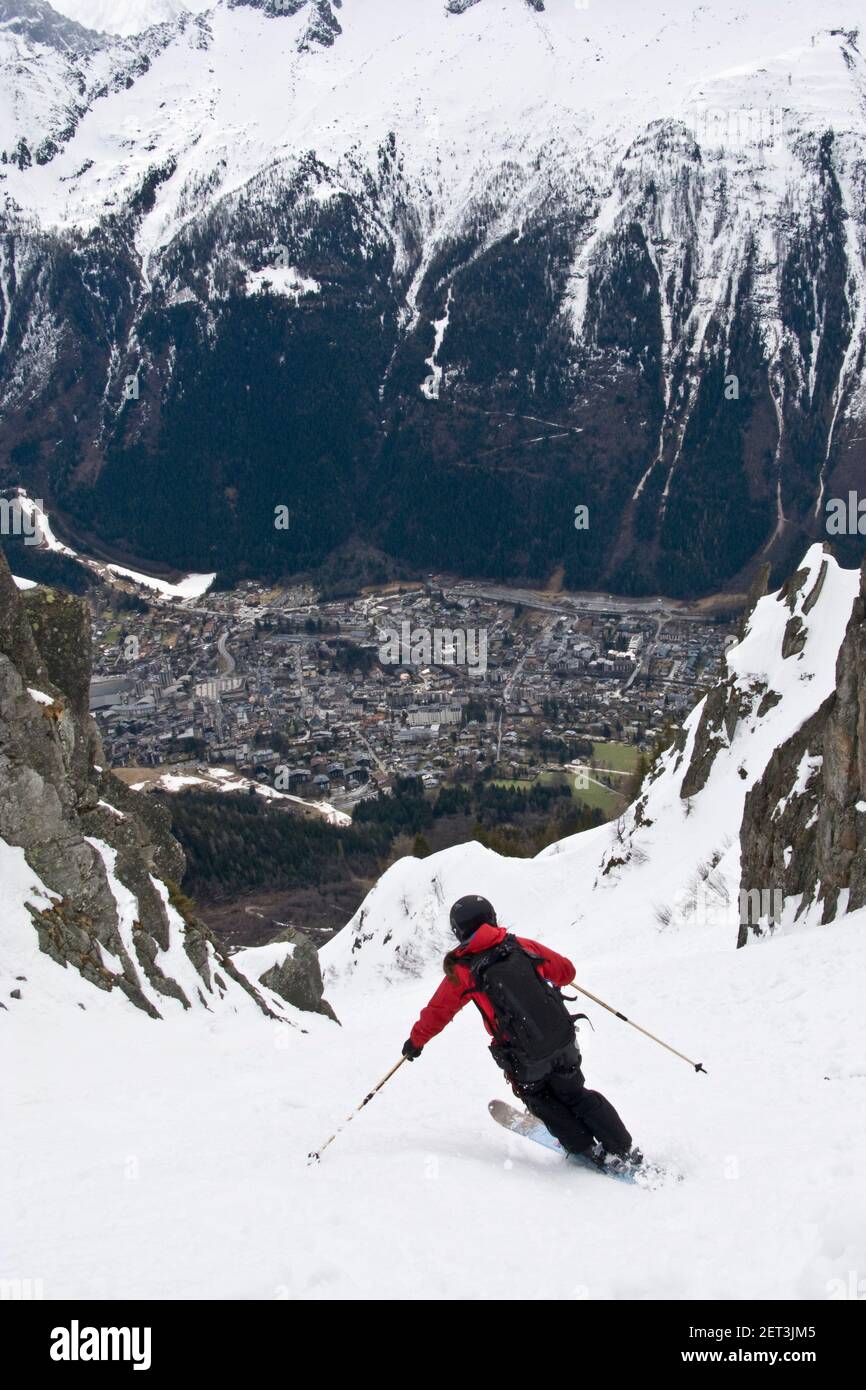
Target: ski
(521,1122)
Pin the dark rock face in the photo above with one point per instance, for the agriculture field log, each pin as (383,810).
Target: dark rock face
(778,846)
(804,824)
(298,979)
(77,824)
(460,6)
(323,25)
(841,826)
(719,713)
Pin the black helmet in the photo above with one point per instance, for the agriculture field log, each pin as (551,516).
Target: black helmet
(469,913)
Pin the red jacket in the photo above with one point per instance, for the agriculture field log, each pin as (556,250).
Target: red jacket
(450,996)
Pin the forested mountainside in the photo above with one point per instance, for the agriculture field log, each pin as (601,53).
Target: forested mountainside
(431,276)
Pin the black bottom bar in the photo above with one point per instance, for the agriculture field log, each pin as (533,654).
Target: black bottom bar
(642,1338)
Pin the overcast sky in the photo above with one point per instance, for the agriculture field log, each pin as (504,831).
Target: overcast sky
(125,16)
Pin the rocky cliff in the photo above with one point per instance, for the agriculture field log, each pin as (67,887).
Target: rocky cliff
(289,965)
(804,823)
(91,863)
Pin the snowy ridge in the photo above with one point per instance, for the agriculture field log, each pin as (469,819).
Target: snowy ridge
(684,849)
(544,79)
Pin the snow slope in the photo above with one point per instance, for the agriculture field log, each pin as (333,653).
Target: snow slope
(191,586)
(53,996)
(192,1181)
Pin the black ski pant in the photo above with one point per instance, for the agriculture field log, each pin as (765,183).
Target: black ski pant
(560,1099)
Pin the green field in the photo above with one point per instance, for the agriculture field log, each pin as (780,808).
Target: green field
(620,757)
(607,801)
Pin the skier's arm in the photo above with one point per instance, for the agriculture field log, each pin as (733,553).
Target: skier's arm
(446,1002)
(558,969)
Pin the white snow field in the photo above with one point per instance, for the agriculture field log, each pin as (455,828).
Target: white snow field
(166,1159)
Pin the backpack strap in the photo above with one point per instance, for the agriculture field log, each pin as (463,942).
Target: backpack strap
(482,959)
(500,951)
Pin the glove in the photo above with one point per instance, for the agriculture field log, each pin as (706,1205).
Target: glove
(410,1051)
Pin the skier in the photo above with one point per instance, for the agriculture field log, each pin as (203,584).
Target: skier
(532,1031)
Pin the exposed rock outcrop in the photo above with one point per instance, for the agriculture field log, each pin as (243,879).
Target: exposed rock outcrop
(717,723)
(297,978)
(105,855)
(322,27)
(804,823)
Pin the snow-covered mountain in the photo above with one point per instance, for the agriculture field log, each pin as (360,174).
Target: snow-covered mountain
(405,267)
(216,1109)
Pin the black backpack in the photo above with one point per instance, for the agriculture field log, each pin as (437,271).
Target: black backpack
(531,1017)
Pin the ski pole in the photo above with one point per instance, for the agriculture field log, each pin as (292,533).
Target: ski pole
(698,1066)
(317,1153)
